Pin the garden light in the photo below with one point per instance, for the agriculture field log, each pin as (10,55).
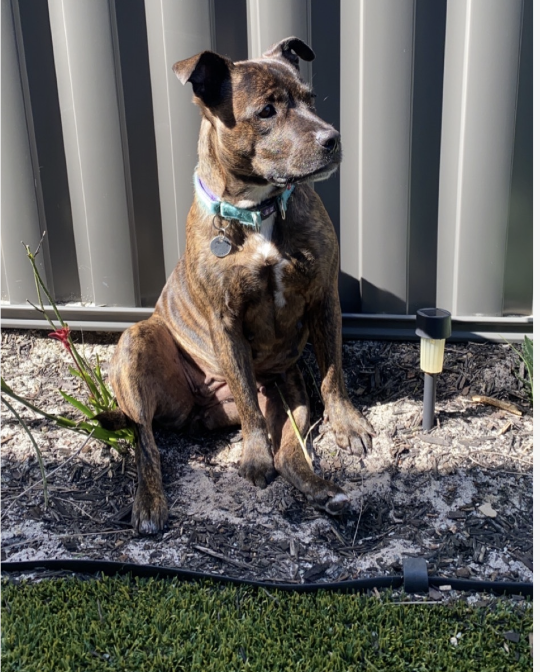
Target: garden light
(434,326)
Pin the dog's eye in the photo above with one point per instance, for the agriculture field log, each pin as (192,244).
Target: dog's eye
(267,112)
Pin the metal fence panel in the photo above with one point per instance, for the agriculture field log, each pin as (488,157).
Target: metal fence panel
(20,211)
(433,202)
(478,125)
(376,86)
(269,21)
(176,30)
(89,104)
(518,279)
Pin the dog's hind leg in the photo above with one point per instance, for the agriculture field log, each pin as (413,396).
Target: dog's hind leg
(148,378)
(289,457)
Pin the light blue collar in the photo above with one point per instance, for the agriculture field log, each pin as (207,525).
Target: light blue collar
(246,216)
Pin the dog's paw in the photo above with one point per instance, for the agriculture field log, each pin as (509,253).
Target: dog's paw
(150,511)
(329,498)
(352,431)
(257,464)
(260,472)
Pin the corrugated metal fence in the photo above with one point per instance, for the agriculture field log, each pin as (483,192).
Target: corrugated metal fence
(433,203)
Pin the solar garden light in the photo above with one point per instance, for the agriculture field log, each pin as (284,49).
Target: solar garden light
(434,326)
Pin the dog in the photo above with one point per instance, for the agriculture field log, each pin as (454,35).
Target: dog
(259,277)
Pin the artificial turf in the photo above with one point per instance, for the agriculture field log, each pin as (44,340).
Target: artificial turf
(154,625)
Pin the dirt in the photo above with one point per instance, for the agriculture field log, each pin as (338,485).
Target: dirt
(460,496)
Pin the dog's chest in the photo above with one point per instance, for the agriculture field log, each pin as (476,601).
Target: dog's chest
(268,261)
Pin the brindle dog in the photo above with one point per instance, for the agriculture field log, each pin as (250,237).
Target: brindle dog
(222,344)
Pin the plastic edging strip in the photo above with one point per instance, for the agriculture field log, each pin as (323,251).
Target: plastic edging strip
(111,568)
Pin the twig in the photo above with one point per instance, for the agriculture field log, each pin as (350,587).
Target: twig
(361,510)
(313,427)
(408,602)
(225,558)
(71,535)
(504,405)
(68,501)
(499,471)
(510,457)
(308,367)
(38,451)
(272,597)
(71,457)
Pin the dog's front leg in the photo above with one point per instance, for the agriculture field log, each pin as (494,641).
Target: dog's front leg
(352,431)
(234,356)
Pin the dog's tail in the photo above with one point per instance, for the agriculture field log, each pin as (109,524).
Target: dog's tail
(113,420)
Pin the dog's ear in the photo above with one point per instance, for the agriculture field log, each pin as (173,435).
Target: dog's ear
(209,74)
(285,49)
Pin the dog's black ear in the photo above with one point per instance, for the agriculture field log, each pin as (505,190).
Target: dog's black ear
(285,49)
(209,74)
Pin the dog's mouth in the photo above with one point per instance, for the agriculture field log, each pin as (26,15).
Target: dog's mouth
(315,176)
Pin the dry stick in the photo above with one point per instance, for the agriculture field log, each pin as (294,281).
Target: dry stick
(499,471)
(71,457)
(70,535)
(219,556)
(504,405)
(38,451)
(409,602)
(361,510)
(312,428)
(68,501)
(271,596)
(510,457)
(314,382)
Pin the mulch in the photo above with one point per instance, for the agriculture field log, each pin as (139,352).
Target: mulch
(460,496)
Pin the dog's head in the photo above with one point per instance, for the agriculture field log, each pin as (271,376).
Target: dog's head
(263,122)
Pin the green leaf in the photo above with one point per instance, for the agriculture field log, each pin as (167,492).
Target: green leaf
(75,372)
(105,392)
(78,405)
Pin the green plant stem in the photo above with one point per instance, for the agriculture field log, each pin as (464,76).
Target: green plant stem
(39,282)
(80,362)
(59,419)
(101,399)
(36,447)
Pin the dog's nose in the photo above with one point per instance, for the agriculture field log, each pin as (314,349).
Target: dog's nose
(329,139)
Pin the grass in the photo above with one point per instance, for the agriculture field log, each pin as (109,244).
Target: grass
(163,625)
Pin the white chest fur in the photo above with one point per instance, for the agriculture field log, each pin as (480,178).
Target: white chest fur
(268,255)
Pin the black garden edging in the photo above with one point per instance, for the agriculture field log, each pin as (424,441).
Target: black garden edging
(415,578)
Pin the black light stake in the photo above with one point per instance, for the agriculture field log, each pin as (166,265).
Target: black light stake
(434,326)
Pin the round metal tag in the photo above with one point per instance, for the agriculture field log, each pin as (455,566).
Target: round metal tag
(220,246)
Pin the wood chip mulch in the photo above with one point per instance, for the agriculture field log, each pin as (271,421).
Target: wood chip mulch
(460,496)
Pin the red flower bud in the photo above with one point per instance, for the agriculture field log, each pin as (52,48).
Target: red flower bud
(62,335)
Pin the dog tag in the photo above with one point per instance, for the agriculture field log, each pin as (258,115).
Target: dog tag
(220,246)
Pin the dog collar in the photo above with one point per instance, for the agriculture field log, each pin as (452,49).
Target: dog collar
(247,216)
